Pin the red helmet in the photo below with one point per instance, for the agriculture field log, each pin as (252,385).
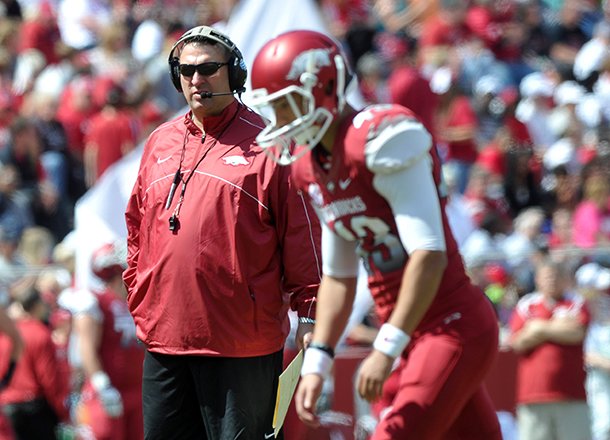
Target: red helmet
(109,260)
(304,63)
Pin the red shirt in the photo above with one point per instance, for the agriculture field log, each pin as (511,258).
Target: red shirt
(489,25)
(38,373)
(550,372)
(459,114)
(73,119)
(109,132)
(360,210)
(36,34)
(437,32)
(410,89)
(246,249)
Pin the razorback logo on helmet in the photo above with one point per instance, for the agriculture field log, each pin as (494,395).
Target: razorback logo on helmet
(308,61)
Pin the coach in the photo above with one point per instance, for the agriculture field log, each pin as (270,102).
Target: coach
(220,246)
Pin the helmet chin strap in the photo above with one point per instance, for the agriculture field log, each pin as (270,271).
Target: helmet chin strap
(341,74)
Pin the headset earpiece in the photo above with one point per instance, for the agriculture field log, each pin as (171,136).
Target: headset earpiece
(174,72)
(237,69)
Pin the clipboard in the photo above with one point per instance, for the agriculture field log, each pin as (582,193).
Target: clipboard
(285,390)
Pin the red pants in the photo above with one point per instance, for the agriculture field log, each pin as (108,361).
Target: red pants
(126,427)
(438,391)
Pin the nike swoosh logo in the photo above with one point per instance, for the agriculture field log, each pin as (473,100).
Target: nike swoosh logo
(270,435)
(160,161)
(343,184)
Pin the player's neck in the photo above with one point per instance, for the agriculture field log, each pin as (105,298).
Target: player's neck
(328,140)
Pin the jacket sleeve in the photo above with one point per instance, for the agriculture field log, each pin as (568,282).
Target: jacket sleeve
(133,217)
(299,233)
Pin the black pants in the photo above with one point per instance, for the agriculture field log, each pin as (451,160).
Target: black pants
(33,420)
(209,398)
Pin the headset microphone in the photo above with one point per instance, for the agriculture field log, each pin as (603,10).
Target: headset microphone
(211,95)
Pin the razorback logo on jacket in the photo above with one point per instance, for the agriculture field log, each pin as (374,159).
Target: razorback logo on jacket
(235,160)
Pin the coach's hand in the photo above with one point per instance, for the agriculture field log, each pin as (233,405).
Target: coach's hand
(306,397)
(373,373)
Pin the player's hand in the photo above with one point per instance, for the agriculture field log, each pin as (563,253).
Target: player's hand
(304,335)
(306,397)
(109,396)
(373,373)
(111,401)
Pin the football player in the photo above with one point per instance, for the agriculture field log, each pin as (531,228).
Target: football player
(111,356)
(374,178)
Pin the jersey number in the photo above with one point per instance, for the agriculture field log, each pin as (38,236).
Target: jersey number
(377,246)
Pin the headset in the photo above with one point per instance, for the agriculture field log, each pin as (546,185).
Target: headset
(238,71)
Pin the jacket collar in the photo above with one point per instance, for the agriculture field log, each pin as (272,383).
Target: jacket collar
(213,125)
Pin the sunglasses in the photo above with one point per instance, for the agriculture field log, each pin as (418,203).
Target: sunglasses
(205,69)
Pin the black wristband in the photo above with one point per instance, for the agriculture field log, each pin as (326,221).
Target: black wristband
(322,347)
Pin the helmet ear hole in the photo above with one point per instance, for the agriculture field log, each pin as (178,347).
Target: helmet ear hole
(330,88)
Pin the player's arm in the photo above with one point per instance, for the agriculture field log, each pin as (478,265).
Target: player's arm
(566,331)
(337,289)
(403,176)
(528,337)
(299,233)
(88,328)
(133,219)
(335,299)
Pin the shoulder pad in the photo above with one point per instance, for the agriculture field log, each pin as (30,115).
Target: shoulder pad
(395,142)
(79,301)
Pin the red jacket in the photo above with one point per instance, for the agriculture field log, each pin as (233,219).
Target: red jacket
(246,247)
(38,373)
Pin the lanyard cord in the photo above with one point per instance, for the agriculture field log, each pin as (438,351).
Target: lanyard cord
(189,177)
(174,222)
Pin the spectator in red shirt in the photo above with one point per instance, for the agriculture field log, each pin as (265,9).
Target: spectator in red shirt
(34,401)
(41,32)
(76,107)
(443,32)
(494,22)
(548,328)
(455,126)
(8,328)
(110,136)
(111,404)
(408,87)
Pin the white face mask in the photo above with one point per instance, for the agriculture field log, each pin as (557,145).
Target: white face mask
(305,130)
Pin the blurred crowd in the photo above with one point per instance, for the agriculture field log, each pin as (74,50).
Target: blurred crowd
(515,92)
